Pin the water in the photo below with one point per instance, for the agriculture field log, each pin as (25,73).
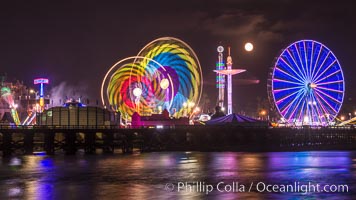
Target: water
(154,175)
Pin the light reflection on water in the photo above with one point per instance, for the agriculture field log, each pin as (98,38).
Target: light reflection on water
(144,176)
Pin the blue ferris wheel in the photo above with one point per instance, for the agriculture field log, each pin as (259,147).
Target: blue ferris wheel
(307,84)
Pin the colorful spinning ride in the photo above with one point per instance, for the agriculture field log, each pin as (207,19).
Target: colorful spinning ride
(307,84)
(165,74)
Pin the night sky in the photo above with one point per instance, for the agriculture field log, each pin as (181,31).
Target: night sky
(75,43)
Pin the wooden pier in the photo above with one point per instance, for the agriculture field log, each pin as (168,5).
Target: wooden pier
(70,139)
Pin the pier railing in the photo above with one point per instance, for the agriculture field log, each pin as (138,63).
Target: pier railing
(178,137)
(110,127)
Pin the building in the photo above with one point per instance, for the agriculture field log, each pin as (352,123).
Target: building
(157,120)
(76,114)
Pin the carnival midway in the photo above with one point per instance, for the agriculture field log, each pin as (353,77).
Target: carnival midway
(151,101)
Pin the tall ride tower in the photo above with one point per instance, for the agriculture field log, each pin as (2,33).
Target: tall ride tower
(229,72)
(41,81)
(220,78)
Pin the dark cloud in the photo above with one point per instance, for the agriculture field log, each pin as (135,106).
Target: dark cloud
(78,41)
(234,24)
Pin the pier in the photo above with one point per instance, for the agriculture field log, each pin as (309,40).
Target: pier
(69,139)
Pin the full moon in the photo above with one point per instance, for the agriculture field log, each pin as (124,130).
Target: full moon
(248,46)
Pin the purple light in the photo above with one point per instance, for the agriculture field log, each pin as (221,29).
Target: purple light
(307,71)
(41,81)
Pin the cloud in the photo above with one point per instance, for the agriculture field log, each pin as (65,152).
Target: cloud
(265,21)
(240,24)
(233,24)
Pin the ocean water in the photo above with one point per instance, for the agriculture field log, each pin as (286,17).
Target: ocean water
(181,175)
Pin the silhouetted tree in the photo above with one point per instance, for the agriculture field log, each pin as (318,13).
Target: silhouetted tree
(218,112)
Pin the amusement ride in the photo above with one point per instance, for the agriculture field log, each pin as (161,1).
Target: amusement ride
(306,84)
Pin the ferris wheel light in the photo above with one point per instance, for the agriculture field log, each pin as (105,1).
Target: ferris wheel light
(248,46)
(137,92)
(164,83)
(191,104)
(177,62)
(323,85)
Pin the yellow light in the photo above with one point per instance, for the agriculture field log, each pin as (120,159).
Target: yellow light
(191,104)
(263,112)
(42,102)
(313,85)
(164,83)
